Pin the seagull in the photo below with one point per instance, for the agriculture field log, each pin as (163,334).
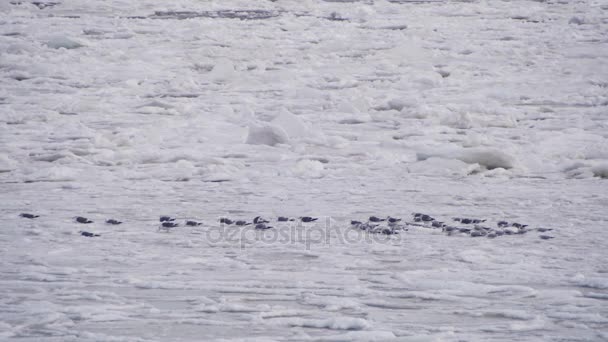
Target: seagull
(242,223)
(169,224)
(386,231)
(166,219)
(478,233)
(418,217)
(375,219)
(87,234)
(502,224)
(193,223)
(29,216)
(308,219)
(259,219)
(284,219)
(426,218)
(81,219)
(367,226)
(449,228)
(113,222)
(393,220)
(262,226)
(226,220)
(437,224)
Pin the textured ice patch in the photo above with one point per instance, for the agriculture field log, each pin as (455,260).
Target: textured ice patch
(291,124)
(519,315)
(335,323)
(309,169)
(591,282)
(266,134)
(443,167)
(488,157)
(6,163)
(53,174)
(60,41)
(366,336)
(223,71)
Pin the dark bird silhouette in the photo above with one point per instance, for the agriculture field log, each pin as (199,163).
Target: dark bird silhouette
(367,226)
(166,219)
(113,222)
(81,219)
(375,219)
(242,223)
(355,223)
(168,224)
(193,223)
(87,234)
(393,219)
(284,219)
(388,231)
(225,220)
(308,219)
(437,224)
(29,216)
(259,219)
(478,233)
(502,224)
(262,226)
(426,218)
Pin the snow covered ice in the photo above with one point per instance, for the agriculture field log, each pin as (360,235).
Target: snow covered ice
(131,110)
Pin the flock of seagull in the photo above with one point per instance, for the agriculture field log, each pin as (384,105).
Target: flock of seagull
(461,226)
(376,225)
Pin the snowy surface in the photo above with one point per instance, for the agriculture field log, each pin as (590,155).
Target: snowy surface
(337,109)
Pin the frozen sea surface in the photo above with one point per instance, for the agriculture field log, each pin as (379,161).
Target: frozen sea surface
(336,109)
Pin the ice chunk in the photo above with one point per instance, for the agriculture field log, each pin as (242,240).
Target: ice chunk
(488,157)
(223,71)
(60,41)
(309,169)
(291,124)
(266,134)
